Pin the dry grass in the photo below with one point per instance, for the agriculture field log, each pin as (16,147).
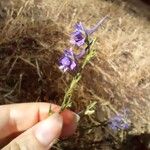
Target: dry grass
(33,36)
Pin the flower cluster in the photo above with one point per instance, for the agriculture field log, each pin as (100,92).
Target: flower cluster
(79,38)
(119,122)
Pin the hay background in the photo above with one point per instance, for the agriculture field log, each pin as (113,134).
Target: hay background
(33,36)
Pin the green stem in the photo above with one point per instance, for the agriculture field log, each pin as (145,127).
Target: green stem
(68,95)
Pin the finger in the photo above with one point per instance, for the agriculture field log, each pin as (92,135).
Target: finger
(19,117)
(70,122)
(41,136)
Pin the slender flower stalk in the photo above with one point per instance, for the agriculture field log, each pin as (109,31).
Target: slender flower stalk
(69,60)
(68,94)
(84,51)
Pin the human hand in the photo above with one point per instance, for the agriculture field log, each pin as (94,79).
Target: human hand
(28,126)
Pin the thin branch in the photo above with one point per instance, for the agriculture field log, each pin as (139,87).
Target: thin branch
(12,66)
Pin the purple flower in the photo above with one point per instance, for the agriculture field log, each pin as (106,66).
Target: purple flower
(78,37)
(117,122)
(67,62)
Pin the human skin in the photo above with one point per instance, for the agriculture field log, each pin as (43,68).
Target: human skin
(29,126)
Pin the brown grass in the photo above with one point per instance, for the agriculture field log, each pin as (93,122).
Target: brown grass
(33,36)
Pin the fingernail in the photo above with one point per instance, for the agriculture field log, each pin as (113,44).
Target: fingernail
(49,130)
(77,117)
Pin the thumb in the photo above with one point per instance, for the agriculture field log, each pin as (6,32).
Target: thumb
(41,136)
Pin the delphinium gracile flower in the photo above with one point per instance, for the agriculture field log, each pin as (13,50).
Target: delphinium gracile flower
(120,121)
(81,39)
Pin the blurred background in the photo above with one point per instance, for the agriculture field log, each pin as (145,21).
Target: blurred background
(33,36)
